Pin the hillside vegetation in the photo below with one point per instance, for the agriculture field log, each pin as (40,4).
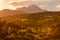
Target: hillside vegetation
(34,26)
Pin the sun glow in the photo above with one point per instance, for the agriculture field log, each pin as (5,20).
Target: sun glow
(1,5)
(4,4)
(58,6)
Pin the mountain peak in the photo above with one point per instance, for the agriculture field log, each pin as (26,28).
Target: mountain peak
(33,9)
(33,6)
(24,10)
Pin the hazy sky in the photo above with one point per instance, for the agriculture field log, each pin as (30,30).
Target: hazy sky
(44,4)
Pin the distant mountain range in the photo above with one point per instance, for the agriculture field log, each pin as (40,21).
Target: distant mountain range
(24,10)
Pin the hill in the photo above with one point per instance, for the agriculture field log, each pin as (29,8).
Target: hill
(32,9)
(34,26)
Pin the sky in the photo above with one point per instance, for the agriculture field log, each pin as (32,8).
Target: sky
(51,5)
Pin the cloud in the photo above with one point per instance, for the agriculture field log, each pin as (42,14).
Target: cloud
(13,3)
(41,0)
(45,4)
(18,3)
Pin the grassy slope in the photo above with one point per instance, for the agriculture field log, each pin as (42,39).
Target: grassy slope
(43,25)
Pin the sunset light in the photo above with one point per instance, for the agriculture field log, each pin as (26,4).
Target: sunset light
(58,6)
(1,5)
(29,19)
(46,4)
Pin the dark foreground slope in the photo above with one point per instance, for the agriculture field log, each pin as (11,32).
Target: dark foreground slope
(34,26)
